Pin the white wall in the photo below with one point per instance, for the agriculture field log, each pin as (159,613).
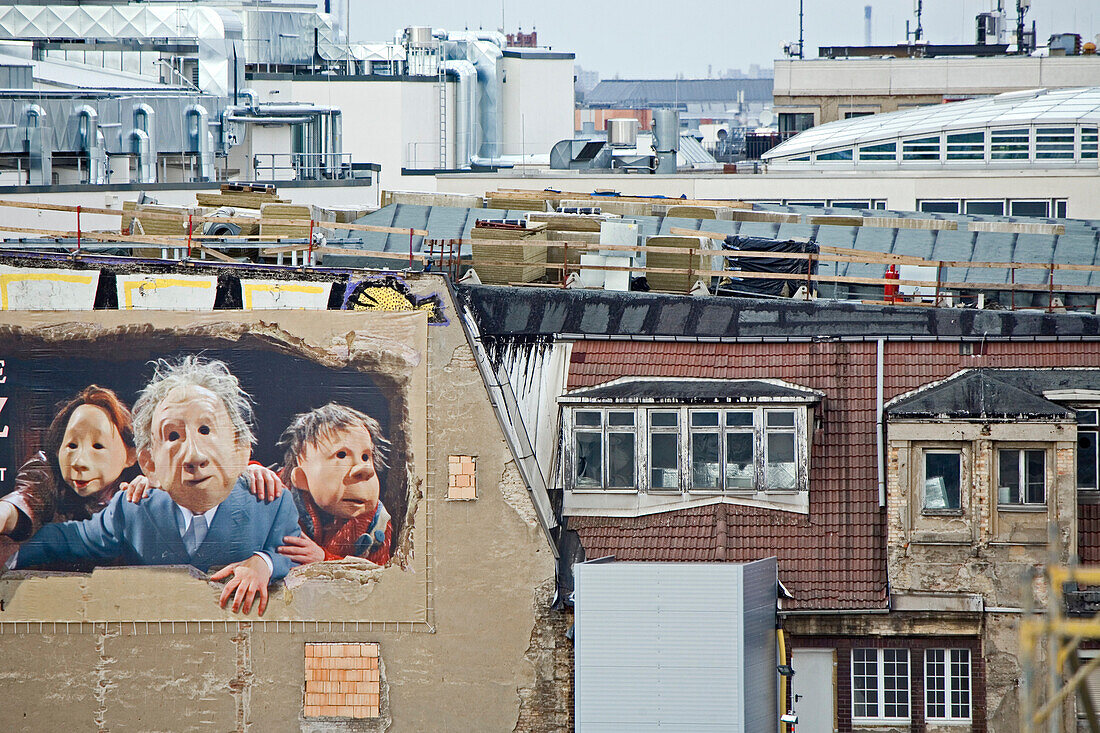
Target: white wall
(901,190)
(946,76)
(537,103)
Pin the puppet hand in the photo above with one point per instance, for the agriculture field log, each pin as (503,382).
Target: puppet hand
(9,517)
(137,489)
(264,483)
(249,579)
(301,550)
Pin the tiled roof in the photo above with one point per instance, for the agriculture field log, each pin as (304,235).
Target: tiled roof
(834,558)
(730,533)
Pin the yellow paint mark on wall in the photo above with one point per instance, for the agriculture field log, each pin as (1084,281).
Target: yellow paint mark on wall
(250,288)
(157,283)
(38,276)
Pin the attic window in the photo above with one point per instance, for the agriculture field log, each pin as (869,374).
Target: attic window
(1087,453)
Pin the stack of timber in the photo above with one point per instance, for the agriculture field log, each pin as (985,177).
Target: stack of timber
(431,198)
(512,261)
(676,257)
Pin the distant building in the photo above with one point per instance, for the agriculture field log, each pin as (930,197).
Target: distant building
(519,39)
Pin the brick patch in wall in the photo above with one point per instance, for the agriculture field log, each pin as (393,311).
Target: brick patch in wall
(462,478)
(342,680)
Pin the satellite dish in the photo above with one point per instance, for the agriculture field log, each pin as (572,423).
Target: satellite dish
(766,117)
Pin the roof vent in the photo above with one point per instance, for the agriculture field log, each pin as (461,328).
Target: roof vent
(1018,96)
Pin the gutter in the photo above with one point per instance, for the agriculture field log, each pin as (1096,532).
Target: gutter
(506,408)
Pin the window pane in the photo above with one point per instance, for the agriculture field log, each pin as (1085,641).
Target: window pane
(704,461)
(739,463)
(620,460)
(739,418)
(620,417)
(935,683)
(780,419)
(1036,476)
(1054,142)
(664,461)
(966,146)
(836,155)
(780,471)
(865,683)
(1030,208)
(895,683)
(925,148)
(1009,144)
(588,460)
(1008,484)
(1086,459)
(1088,143)
(664,419)
(587,418)
(996,208)
(884,151)
(942,479)
(1086,417)
(939,207)
(704,419)
(960,684)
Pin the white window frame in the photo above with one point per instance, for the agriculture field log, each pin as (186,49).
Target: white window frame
(951,684)
(1022,450)
(880,690)
(643,430)
(1091,425)
(605,430)
(941,450)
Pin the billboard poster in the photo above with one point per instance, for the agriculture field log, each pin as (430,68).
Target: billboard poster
(248,447)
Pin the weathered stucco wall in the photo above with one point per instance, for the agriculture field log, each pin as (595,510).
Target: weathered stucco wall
(454,627)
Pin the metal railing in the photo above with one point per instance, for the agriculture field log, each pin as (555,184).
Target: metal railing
(301,166)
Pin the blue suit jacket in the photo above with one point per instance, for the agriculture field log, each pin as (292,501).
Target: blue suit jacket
(147,534)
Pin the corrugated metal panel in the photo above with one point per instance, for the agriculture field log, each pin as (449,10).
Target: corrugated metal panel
(662,646)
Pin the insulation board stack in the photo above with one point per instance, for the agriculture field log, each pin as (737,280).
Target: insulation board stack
(583,228)
(303,212)
(512,261)
(676,257)
(157,226)
(428,198)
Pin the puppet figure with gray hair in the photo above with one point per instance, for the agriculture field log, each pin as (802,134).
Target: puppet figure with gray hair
(193,437)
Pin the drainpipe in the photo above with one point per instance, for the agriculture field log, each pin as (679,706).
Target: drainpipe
(880,432)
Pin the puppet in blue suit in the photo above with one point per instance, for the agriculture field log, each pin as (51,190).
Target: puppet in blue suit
(191,428)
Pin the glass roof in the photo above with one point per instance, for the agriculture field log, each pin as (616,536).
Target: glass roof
(1034,106)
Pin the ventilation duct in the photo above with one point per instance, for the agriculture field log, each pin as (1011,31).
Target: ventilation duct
(484,51)
(465,111)
(37,144)
(666,138)
(143,154)
(89,142)
(199,140)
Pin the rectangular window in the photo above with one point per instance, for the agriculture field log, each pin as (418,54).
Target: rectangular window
(705,451)
(740,451)
(921,148)
(1009,144)
(792,123)
(1054,142)
(979,208)
(836,155)
(1030,208)
(780,466)
(942,480)
(938,207)
(882,151)
(850,204)
(966,146)
(664,450)
(947,684)
(1088,143)
(1021,477)
(1087,456)
(604,449)
(880,685)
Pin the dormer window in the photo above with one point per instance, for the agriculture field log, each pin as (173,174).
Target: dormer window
(733,437)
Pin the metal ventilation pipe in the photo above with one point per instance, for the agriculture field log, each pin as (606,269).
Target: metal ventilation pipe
(666,138)
(142,149)
(486,56)
(465,111)
(38,145)
(145,117)
(199,140)
(89,140)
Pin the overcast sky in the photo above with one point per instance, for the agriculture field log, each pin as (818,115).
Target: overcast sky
(658,39)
